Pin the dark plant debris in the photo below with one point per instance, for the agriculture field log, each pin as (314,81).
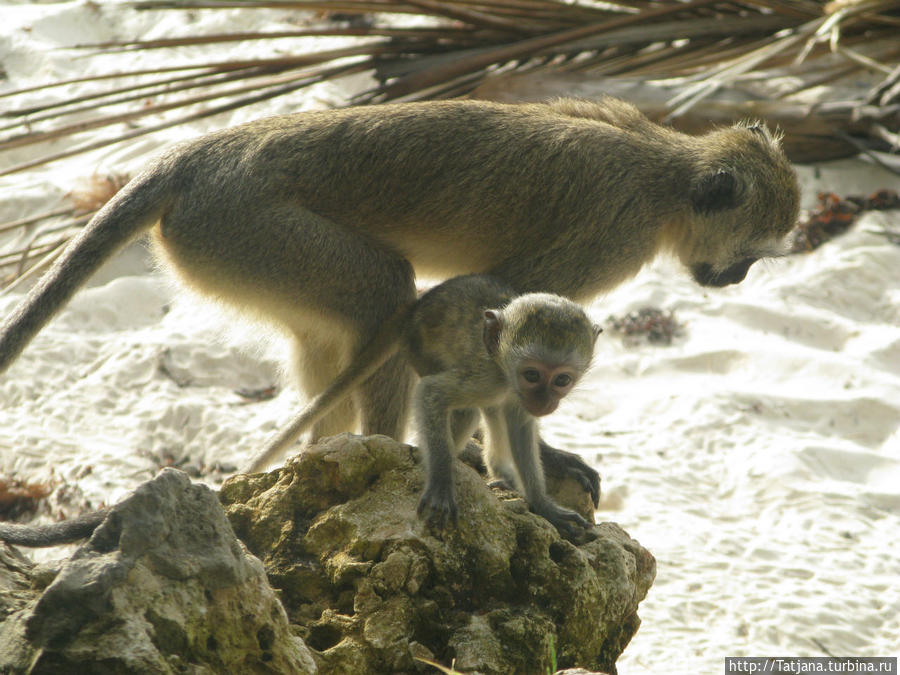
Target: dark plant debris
(834,216)
(648,324)
(18,497)
(257,395)
(22,500)
(90,194)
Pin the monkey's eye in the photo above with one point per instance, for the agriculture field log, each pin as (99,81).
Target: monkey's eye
(563,380)
(531,375)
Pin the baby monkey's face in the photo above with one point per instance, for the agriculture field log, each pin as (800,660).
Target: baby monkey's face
(541,386)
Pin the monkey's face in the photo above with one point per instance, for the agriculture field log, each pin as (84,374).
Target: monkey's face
(744,202)
(542,386)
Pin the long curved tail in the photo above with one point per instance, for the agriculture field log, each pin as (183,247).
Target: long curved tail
(54,534)
(385,343)
(134,209)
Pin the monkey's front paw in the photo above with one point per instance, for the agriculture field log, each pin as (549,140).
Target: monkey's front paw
(502,483)
(438,508)
(569,524)
(562,464)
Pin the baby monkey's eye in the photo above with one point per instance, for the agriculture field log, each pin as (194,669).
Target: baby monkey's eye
(563,380)
(531,375)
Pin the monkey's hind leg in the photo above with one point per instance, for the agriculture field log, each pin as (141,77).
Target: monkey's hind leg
(316,358)
(324,284)
(384,398)
(381,403)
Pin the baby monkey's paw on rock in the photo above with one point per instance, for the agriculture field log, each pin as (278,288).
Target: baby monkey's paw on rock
(437,507)
(562,464)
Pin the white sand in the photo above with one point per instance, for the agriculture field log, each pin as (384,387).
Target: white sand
(758,457)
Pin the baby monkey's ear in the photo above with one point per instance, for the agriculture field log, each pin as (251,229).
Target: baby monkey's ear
(493,323)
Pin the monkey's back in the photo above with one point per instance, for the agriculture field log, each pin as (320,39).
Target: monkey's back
(534,193)
(413,176)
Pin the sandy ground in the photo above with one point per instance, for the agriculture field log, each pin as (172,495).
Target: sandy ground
(757,457)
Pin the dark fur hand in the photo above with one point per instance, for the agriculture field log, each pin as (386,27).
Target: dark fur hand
(438,506)
(569,524)
(562,464)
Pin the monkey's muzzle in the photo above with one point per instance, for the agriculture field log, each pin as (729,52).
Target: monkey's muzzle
(705,275)
(541,407)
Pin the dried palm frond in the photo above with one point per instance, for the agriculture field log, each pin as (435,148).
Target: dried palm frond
(701,61)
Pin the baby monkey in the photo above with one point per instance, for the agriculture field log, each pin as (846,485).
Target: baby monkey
(476,344)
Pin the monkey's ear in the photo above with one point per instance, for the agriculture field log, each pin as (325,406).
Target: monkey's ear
(597,330)
(714,191)
(759,129)
(491,332)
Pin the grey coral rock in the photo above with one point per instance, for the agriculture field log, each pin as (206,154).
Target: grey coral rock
(163,586)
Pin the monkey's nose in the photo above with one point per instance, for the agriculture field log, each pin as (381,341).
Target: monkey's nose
(539,409)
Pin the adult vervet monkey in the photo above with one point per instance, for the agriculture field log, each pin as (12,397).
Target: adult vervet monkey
(315,222)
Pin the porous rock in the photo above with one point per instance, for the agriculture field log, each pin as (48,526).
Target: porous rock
(562,484)
(371,587)
(163,586)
